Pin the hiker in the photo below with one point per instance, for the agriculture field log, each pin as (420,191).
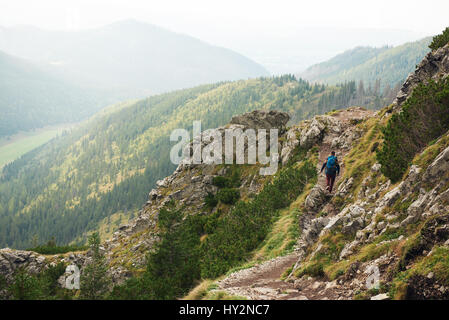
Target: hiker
(332,170)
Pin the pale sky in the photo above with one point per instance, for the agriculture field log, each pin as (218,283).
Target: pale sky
(236,23)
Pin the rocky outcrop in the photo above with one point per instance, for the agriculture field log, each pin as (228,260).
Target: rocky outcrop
(316,199)
(387,226)
(188,187)
(310,132)
(11,260)
(435,65)
(261,119)
(290,145)
(438,168)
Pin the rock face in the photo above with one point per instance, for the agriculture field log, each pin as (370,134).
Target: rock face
(260,119)
(316,199)
(435,65)
(11,260)
(375,207)
(290,145)
(438,167)
(312,133)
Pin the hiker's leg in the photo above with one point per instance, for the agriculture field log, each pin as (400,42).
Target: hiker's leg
(332,180)
(328,181)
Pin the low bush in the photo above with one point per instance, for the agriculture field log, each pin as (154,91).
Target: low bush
(424,117)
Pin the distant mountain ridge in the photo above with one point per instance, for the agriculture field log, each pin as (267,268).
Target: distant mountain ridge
(130,55)
(389,64)
(50,77)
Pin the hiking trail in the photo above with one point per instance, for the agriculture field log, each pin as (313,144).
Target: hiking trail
(263,281)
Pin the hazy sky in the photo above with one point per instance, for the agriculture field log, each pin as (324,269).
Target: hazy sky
(243,25)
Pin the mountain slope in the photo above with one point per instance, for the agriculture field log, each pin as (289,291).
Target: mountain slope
(390,64)
(108,165)
(31,98)
(130,56)
(284,236)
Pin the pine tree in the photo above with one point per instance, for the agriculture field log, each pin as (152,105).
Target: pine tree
(25,286)
(95,280)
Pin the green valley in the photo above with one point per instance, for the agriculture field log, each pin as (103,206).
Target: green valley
(15,146)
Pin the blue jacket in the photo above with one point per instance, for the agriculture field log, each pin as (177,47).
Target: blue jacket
(336,164)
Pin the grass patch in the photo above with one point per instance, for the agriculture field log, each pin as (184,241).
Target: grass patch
(11,150)
(437,262)
(222,295)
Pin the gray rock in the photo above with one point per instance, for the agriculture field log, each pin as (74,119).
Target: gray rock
(344,187)
(261,119)
(316,199)
(376,167)
(289,146)
(312,134)
(438,167)
(353,226)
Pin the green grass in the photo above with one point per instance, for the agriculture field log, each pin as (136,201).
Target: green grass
(10,151)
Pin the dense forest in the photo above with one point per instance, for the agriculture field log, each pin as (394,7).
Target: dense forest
(109,164)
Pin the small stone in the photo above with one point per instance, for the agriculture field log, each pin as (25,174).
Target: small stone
(316,285)
(331,285)
(430,275)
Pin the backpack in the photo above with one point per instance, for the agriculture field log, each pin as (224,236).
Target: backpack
(331,166)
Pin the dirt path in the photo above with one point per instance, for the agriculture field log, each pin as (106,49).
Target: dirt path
(262,282)
(344,116)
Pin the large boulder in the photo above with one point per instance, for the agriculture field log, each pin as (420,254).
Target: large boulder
(438,167)
(316,199)
(312,133)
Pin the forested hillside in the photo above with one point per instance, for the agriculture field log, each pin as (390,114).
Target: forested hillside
(390,65)
(32,98)
(109,164)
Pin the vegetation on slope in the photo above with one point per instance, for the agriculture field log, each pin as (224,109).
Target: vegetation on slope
(207,246)
(42,286)
(390,65)
(424,117)
(66,187)
(440,40)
